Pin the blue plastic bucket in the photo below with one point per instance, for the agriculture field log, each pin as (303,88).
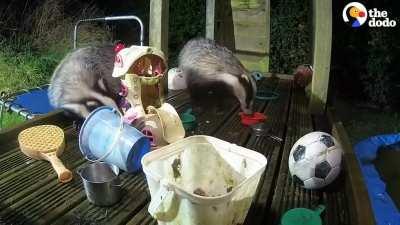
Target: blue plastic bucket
(97,135)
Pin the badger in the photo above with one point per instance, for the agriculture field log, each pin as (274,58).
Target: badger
(204,63)
(82,81)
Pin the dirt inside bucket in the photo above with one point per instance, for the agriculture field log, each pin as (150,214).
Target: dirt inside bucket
(201,170)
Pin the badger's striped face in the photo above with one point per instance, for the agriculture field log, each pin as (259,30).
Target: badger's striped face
(250,87)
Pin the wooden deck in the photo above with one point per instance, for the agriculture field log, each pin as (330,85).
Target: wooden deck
(31,194)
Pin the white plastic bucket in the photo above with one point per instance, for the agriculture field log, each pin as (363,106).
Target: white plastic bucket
(202,180)
(176,79)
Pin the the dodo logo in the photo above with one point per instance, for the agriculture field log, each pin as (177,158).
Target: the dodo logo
(354,14)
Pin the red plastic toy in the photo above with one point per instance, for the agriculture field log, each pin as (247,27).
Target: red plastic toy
(119,47)
(255,118)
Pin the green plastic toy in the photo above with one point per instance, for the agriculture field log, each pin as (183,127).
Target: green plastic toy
(303,216)
(188,120)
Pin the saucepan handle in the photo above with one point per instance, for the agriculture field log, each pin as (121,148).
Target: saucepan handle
(64,175)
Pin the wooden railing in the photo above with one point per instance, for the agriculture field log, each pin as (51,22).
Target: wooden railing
(360,207)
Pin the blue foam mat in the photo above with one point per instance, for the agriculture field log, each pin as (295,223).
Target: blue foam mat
(35,101)
(385,211)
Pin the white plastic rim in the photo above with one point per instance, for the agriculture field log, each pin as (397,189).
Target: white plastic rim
(176,79)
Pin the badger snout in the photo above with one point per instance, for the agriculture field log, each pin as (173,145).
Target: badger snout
(247,111)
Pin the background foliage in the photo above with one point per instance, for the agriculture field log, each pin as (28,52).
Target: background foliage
(187,20)
(291,33)
(365,60)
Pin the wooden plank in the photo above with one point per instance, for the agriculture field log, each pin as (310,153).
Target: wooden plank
(246,4)
(251,43)
(252,33)
(322,17)
(158,31)
(249,23)
(276,112)
(299,123)
(158,25)
(357,194)
(210,19)
(135,196)
(224,27)
(257,62)
(140,216)
(251,17)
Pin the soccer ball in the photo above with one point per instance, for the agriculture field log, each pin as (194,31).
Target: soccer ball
(314,160)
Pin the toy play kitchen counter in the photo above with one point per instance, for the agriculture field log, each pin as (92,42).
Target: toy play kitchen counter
(30,192)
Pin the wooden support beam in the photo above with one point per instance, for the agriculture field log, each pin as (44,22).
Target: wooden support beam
(158,25)
(251,20)
(322,24)
(210,19)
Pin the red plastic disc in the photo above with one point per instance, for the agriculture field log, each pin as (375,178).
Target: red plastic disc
(255,118)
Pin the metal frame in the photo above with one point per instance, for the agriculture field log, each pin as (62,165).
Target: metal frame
(110,18)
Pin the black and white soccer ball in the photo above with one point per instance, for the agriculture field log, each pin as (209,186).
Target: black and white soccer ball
(315,159)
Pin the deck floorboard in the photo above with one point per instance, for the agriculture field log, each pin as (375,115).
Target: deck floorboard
(31,194)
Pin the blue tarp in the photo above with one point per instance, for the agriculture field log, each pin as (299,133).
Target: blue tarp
(386,212)
(35,101)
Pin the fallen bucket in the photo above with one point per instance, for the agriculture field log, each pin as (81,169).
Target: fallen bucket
(101,139)
(202,180)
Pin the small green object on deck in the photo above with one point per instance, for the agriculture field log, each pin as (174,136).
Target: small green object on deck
(188,120)
(303,216)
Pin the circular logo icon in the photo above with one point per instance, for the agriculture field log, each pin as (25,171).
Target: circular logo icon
(354,14)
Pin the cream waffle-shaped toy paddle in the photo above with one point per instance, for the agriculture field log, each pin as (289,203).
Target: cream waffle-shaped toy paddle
(45,142)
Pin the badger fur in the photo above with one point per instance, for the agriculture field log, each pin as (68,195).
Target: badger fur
(204,63)
(82,81)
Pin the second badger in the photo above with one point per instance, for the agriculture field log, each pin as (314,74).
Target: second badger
(204,63)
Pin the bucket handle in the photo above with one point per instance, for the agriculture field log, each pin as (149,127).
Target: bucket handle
(164,205)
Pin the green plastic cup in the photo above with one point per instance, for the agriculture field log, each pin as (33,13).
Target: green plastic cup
(303,216)
(188,120)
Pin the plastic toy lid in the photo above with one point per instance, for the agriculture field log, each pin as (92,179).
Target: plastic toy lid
(255,118)
(188,120)
(267,95)
(303,216)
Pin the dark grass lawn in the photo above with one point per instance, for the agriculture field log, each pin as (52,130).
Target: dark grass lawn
(362,122)
(10,120)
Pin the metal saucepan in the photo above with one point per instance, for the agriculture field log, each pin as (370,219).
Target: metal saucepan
(101,182)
